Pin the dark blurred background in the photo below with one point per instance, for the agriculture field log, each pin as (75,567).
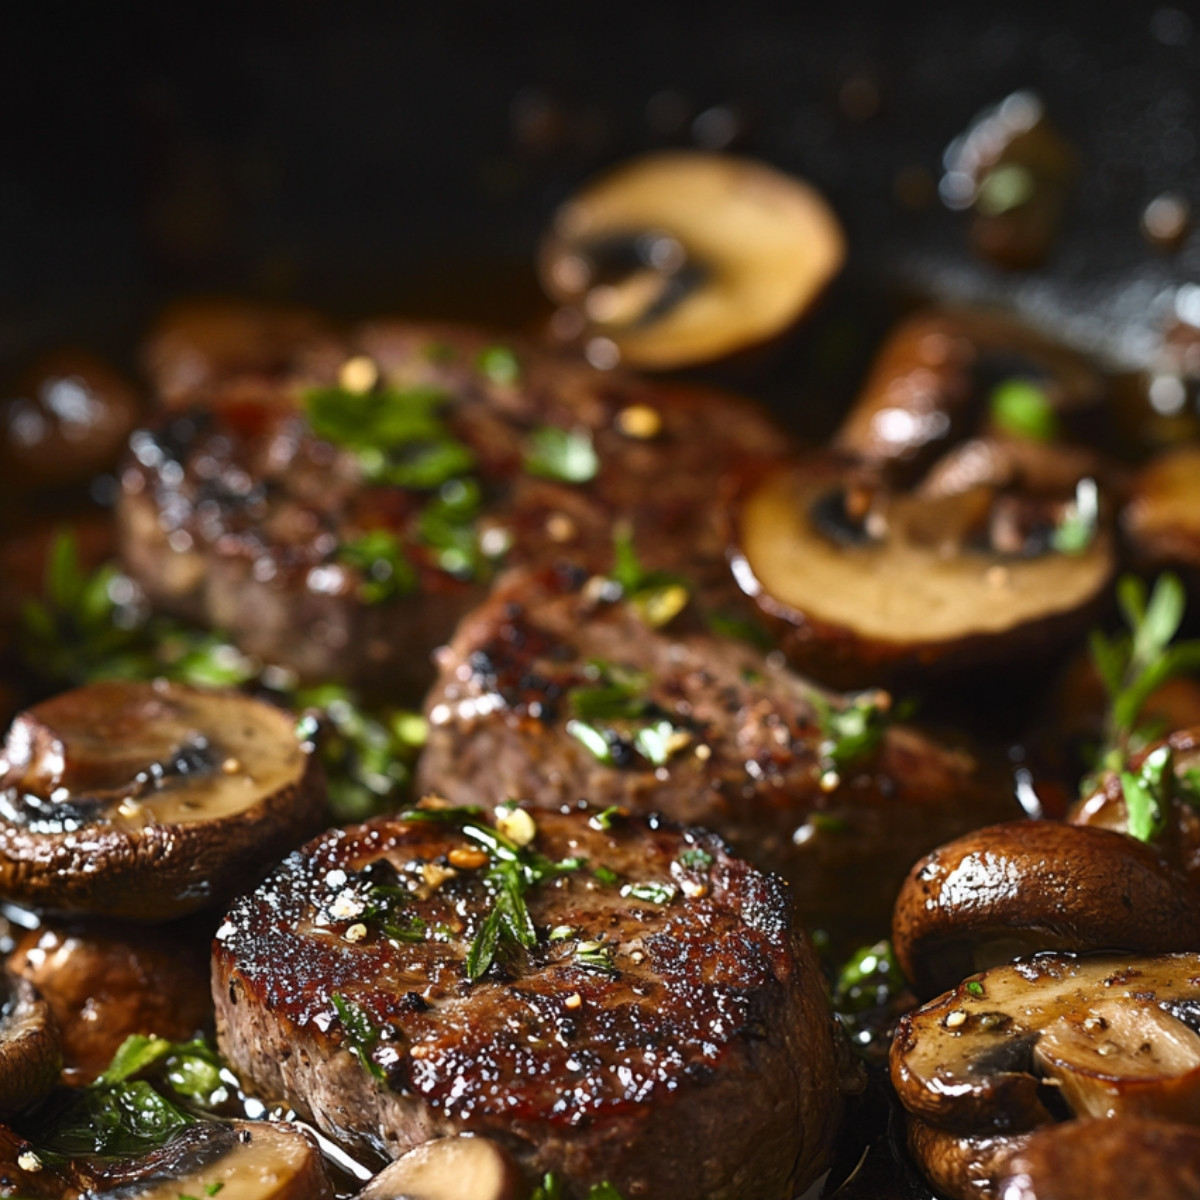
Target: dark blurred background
(404,156)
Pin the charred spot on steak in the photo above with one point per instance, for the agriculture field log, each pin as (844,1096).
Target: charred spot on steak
(617,1013)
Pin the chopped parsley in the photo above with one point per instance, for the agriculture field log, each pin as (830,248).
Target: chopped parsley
(853,731)
(447,526)
(551,1188)
(1021,408)
(361,1033)
(695,859)
(596,957)
(386,572)
(651,892)
(564,455)
(1076,529)
(500,365)
(657,597)
(974,987)
(604,819)
(607,876)
(594,740)
(657,742)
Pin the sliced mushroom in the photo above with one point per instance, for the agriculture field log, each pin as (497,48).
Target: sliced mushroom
(1162,517)
(939,375)
(684,257)
(963,1166)
(29,1047)
(149,800)
(1023,886)
(1080,1160)
(1105,1034)
(449,1168)
(104,984)
(244,1160)
(863,585)
(68,419)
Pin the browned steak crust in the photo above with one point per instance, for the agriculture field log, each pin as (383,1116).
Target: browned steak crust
(673,1040)
(745,758)
(234,512)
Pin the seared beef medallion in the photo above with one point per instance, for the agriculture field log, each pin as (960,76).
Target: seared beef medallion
(556,688)
(610,999)
(339,515)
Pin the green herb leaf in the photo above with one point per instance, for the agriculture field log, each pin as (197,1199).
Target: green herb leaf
(608,702)
(1021,408)
(500,365)
(852,732)
(658,742)
(604,819)
(385,569)
(695,859)
(1148,794)
(592,739)
(134,1054)
(361,1033)
(868,979)
(567,456)
(1077,528)
(651,892)
(607,876)
(596,957)
(974,987)
(114,1119)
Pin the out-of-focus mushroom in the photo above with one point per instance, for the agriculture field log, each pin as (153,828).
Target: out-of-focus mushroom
(449,1168)
(244,1160)
(940,375)
(1162,516)
(961,1165)
(1080,1160)
(68,419)
(1110,1035)
(684,257)
(150,800)
(863,584)
(1024,886)
(29,1046)
(102,985)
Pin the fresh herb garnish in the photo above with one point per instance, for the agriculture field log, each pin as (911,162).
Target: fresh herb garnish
(1076,529)
(651,892)
(594,740)
(1132,666)
(1021,408)
(387,905)
(740,628)
(974,987)
(695,859)
(369,755)
(446,525)
(659,741)
(595,956)
(1148,794)
(399,436)
(852,732)
(500,365)
(386,571)
(552,1189)
(361,1032)
(656,596)
(91,625)
(607,876)
(564,455)
(604,819)
(618,693)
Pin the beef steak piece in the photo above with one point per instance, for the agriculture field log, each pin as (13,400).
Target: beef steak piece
(337,512)
(551,690)
(664,1029)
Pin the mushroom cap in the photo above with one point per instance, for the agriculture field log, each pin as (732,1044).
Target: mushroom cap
(449,1168)
(1022,886)
(1162,516)
(853,610)
(150,800)
(29,1047)
(1112,1034)
(762,243)
(1079,1160)
(959,1165)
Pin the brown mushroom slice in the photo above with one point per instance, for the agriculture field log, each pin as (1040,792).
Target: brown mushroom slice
(858,597)
(994,894)
(931,377)
(1123,1060)
(150,800)
(1162,516)
(29,1047)
(104,984)
(1080,1160)
(684,257)
(963,1166)
(449,1168)
(970,1061)
(244,1160)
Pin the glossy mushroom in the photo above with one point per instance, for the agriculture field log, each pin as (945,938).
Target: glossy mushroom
(685,257)
(29,1046)
(1113,1035)
(104,983)
(449,1168)
(962,1166)
(150,800)
(1023,886)
(861,584)
(1079,1160)
(1162,516)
